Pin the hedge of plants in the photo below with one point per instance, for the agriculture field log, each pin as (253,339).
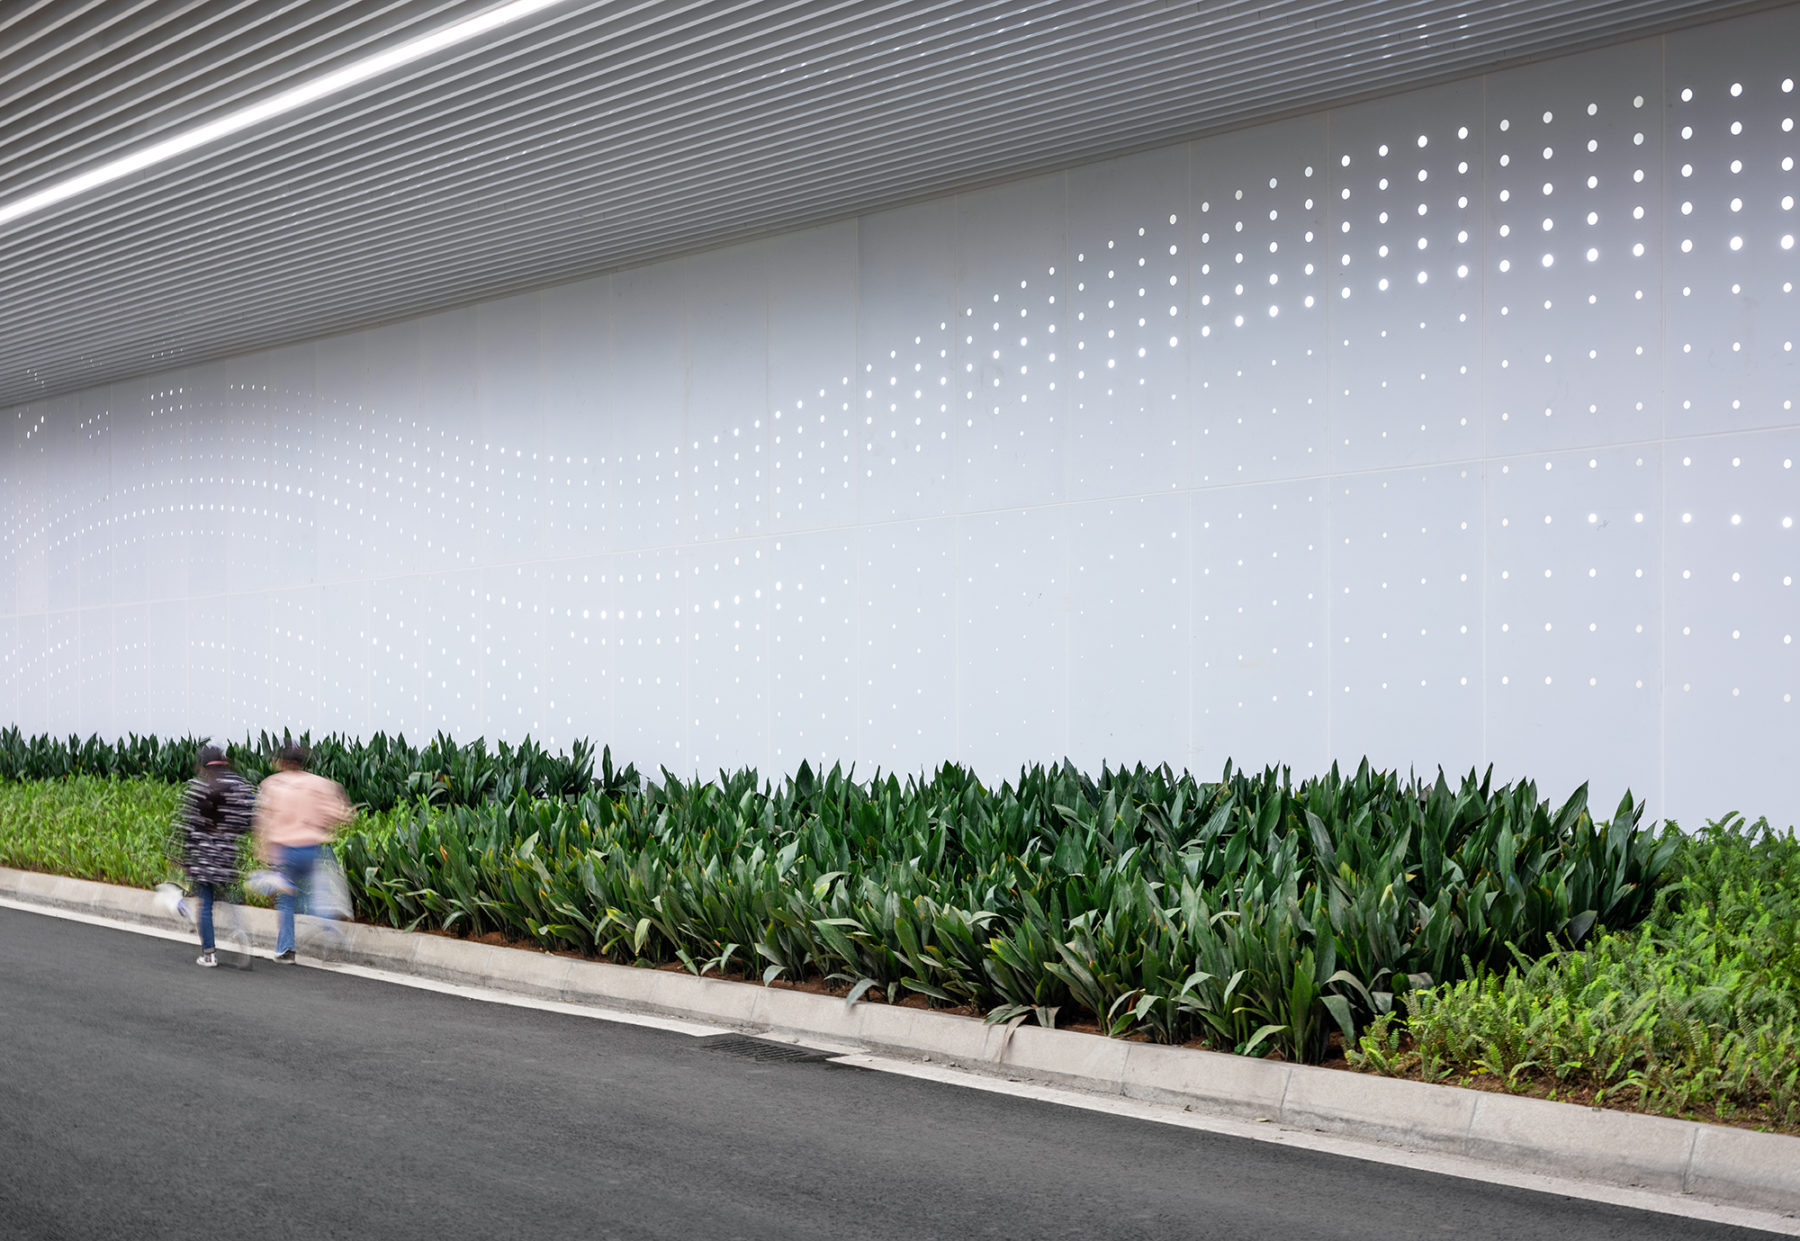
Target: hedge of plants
(1694,1012)
(1255,913)
(379,774)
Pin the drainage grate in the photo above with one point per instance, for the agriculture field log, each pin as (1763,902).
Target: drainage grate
(762,1050)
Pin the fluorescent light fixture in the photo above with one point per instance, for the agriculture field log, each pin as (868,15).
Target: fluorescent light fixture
(276,105)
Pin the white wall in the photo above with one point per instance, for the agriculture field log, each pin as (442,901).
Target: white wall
(1283,445)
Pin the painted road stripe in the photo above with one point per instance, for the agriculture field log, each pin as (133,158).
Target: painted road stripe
(486,995)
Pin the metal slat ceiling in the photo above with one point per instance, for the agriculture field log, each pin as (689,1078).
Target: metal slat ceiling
(593,136)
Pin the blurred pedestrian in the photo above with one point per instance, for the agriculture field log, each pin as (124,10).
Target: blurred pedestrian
(297,814)
(216,810)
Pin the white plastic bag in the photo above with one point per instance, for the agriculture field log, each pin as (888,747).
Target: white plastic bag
(268,883)
(330,896)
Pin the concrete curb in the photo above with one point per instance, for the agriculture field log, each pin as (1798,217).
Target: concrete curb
(1733,1166)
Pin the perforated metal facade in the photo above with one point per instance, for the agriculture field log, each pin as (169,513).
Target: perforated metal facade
(1449,428)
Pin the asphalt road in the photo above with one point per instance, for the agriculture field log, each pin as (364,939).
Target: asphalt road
(141,1096)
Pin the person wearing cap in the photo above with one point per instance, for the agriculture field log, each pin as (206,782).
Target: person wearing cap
(297,813)
(216,810)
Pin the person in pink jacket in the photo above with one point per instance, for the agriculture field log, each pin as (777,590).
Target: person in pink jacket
(297,814)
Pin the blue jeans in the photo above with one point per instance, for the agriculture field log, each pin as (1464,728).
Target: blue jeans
(204,891)
(296,865)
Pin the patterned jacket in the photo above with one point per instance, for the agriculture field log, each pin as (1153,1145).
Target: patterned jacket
(215,812)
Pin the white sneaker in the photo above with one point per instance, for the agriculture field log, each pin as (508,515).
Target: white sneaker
(206,960)
(168,898)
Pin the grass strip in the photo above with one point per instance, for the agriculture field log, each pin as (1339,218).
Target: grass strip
(89,827)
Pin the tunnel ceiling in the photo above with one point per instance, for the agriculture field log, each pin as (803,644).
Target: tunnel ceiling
(594,136)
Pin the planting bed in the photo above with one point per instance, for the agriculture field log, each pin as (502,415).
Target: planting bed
(1436,930)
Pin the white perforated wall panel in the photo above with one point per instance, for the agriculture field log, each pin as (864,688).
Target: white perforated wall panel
(1450,428)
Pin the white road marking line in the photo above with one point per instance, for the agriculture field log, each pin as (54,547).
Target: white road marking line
(486,995)
(76,915)
(1461,1167)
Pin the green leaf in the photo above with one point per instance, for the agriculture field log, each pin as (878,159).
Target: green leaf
(1339,1008)
(1256,1040)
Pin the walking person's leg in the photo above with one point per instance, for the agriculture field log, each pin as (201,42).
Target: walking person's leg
(284,903)
(236,930)
(296,863)
(204,891)
(306,861)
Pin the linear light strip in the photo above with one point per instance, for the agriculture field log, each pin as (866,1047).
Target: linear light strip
(277,105)
(323,161)
(194,78)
